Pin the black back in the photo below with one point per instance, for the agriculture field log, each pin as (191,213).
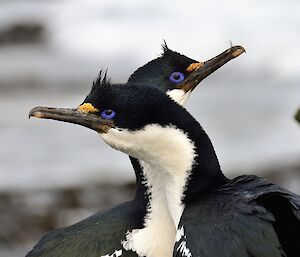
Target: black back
(247,217)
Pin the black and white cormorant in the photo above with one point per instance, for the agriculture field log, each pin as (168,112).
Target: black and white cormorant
(103,233)
(214,216)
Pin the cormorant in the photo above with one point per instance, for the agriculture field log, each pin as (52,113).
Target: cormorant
(215,216)
(102,233)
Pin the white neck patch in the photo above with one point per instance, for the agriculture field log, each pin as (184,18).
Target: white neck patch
(166,155)
(179,96)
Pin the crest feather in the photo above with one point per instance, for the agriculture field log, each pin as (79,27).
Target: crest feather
(164,47)
(101,80)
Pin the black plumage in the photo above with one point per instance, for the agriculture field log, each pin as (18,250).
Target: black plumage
(97,235)
(248,216)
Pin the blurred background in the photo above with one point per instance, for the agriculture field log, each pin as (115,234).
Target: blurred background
(53,174)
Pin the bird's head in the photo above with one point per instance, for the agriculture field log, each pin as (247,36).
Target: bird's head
(127,117)
(177,74)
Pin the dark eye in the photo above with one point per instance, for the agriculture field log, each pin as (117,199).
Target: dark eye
(176,77)
(108,114)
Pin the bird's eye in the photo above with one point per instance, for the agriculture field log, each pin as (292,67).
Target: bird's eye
(108,114)
(176,77)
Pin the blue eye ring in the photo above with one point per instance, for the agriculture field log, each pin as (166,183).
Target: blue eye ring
(108,114)
(176,77)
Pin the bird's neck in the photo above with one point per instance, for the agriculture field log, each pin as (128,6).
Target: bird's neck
(206,173)
(141,194)
(158,226)
(161,180)
(177,167)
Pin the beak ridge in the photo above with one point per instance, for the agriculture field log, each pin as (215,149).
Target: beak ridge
(74,116)
(210,66)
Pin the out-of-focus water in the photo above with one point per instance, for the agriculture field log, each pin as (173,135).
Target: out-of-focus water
(85,35)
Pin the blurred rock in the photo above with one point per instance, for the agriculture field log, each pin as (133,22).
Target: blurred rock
(25,216)
(297,115)
(22,33)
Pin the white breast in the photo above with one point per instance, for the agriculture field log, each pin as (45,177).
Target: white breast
(157,237)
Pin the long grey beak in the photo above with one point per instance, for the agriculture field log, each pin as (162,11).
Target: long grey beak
(210,66)
(74,116)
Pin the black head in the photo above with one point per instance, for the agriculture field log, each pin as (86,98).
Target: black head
(173,70)
(157,72)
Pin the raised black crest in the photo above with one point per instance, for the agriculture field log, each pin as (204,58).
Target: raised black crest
(101,80)
(156,72)
(164,47)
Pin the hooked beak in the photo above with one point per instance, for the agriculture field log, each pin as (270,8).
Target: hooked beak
(208,67)
(74,116)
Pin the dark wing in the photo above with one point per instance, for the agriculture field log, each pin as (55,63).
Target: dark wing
(283,204)
(248,217)
(98,235)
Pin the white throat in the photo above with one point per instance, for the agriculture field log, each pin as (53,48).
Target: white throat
(166,155)
(158,235)
(179,96)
